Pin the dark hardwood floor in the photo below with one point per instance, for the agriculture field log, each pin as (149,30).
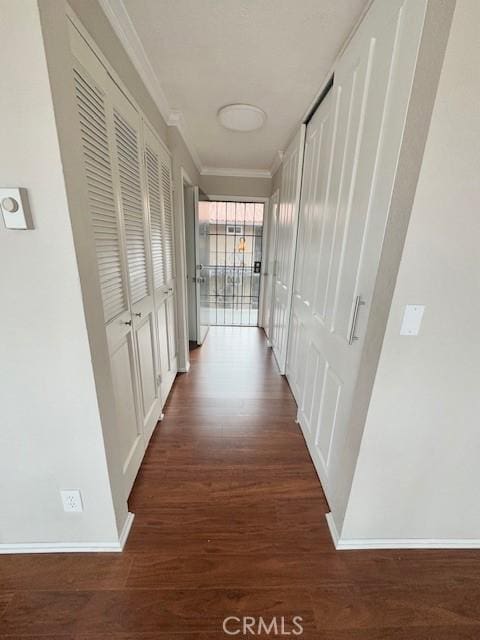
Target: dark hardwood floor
(230,522)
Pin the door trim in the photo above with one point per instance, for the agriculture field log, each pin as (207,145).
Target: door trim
(196,239)
(274,198)
(181,269)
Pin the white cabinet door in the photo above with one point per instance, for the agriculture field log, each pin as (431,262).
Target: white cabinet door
(159,189)
(136,233)
(285,247)
(96,126)
(170,274)
(128,174)
(352,147)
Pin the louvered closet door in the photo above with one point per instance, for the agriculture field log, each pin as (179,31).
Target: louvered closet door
(352,147)
(285,247)
(136,234)
(96,126)
(157,163)
(167,196)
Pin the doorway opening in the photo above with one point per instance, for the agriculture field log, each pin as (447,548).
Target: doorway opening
(235,239)
(223,258)
(196,258)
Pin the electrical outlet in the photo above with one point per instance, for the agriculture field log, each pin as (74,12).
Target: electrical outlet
(72,500)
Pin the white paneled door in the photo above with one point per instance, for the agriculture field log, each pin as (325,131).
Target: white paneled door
(136,233)
(269,274)
(128,175)
(98,146)
(351,151)
(285,247)
(159,190)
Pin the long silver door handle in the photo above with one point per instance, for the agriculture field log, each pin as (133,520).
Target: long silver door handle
(351,336)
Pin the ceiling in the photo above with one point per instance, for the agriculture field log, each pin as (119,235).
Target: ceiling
(199,55)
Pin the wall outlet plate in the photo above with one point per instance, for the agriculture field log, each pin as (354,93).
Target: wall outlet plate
(412,319)
(72,501)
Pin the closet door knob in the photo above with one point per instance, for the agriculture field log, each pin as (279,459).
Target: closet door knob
(139,315)
(128,322)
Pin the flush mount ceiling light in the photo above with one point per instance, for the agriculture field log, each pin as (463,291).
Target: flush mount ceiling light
(241,117)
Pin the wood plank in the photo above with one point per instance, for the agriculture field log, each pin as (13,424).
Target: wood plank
(230,521)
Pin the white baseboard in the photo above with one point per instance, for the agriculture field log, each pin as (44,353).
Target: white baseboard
(72,547)
(126,530)
(184,369)
(333,529)
(407,543)
(400,543)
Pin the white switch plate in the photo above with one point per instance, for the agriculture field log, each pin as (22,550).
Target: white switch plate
(22,217)
(72,500)
(412,319)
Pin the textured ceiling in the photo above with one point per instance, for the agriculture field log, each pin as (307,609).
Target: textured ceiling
(270,53)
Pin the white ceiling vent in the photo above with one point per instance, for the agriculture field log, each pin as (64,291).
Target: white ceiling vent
(241,117)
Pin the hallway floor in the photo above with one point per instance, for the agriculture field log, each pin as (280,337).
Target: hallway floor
(230,522)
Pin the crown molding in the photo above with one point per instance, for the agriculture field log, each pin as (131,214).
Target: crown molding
(235,173)
(277,161)
(121,23)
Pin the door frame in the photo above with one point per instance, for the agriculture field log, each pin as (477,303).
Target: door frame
(265,202)
(181,268)
(198,279)
(270,228)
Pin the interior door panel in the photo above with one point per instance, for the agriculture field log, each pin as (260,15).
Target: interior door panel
(285,247)
(351,150)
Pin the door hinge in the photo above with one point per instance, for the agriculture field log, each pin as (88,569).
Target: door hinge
(159,379)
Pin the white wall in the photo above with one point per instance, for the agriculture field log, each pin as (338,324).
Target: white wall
(51,434)
(236,186)
(418,473)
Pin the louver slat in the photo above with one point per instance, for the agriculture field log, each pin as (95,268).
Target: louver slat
(168,221)
(101,199)
(156,218)
(132,204)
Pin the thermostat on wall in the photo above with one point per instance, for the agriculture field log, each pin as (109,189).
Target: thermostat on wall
(15,209)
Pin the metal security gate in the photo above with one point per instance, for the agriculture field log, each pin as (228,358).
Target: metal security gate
(235,231)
